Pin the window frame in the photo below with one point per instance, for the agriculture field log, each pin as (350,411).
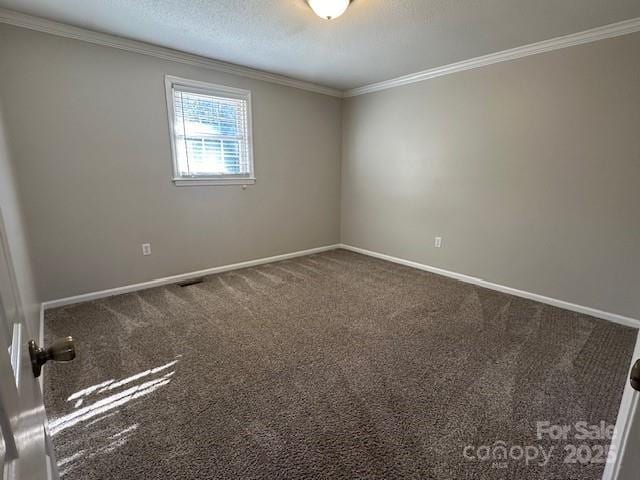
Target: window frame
(204,88)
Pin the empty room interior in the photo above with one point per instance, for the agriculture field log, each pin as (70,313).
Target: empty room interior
(320,239)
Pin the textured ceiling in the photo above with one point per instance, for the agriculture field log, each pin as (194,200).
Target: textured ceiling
(373,41)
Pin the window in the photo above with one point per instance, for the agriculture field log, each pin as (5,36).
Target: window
(210,128)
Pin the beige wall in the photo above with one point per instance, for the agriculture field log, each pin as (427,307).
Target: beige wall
(529,170)
(88,127)
(14,233)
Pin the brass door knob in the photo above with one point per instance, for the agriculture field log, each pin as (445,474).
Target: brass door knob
(62,350)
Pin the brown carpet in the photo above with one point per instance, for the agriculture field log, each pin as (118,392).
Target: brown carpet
(328,366)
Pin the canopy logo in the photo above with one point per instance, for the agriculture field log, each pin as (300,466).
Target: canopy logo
(500,454)
(595,449)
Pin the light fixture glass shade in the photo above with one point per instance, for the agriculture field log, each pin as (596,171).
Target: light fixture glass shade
(329,9)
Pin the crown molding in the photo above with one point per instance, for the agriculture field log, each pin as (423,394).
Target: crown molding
(17,19)
(600,33)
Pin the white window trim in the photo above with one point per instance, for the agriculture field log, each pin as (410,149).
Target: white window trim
(208,89)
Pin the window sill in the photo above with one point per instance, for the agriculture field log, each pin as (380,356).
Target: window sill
(203,182)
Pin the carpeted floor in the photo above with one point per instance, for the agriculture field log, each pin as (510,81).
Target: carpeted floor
(334,365)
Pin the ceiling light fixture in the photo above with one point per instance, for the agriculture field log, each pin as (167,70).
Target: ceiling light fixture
(329,9)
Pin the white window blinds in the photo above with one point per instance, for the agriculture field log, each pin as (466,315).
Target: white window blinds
(211,132)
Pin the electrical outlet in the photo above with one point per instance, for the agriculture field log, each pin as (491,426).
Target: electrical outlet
(146,249)
(438,242)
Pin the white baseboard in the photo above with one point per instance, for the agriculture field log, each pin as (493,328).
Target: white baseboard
(630,398)
(180,278)
(613,317)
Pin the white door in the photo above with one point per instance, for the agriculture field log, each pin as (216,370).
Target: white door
(626,443)
(25,452)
